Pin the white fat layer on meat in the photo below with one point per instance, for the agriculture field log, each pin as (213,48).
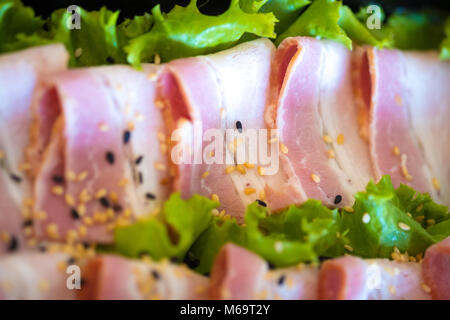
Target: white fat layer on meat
(34,276)
(132,108)
(14,119)
(19,74)
(292,283)
(174,283)
(429,114)
(338,115)
(387,280)
(244,103)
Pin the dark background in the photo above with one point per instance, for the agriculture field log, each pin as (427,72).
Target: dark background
(130,8)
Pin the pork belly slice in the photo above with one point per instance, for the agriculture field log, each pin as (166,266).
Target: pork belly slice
(116,278)
(382,279)
(21,74)
(239,274)
(404,96)
(226,90)
(99,152)
(312,105)
(36,276)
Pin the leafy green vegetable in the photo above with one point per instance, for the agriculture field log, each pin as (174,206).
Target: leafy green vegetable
(16,19)
(320,19)
(137,26)
(358,32)
(185,32)
(171,234)
(298,234)
(385,218)
(445,46)
(286,11)
(97,41)
(416,30)
(331,20)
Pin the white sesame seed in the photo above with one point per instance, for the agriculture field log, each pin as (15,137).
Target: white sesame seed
(404,226)
(366,218)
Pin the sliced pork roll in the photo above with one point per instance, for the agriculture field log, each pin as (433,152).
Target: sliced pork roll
(313,108)
(38,276)
(381,279)
(21,75)
(405,101)
(116,278)
(98,145)
(351,278)
(226,90)
(239,274)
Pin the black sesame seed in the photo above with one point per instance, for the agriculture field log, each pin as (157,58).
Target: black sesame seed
(239,126)
(271,265)
(42,248)
(261,203)
(117,208)
(27,223)
(110,157)
(15,178)
(58,179)
(74,213)
(139,159)
(150,196)
(71,261)
(105,202)
(155,274)
(110,60)
(13,244)
(193,263)
(337,199)
(174,260)
(85,245)
(141,178)
(126,137)
(281,280)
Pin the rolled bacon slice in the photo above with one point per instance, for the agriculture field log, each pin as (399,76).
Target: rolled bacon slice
(436,269)
(404,99)
(226,90)
(381,279)
(351,278)
(238,274)
(312,105)
(21,74)
(98,145)
(115,278)
(36,276)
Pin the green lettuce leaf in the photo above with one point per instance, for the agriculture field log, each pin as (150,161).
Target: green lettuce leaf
(15,20)
(97,40)
(286,11)
(137,26)
(297,234)
(416,30)
(445,46)
(330,19)
(185,32)
(358,32)
(385,218)
(169,235)
(320,20)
